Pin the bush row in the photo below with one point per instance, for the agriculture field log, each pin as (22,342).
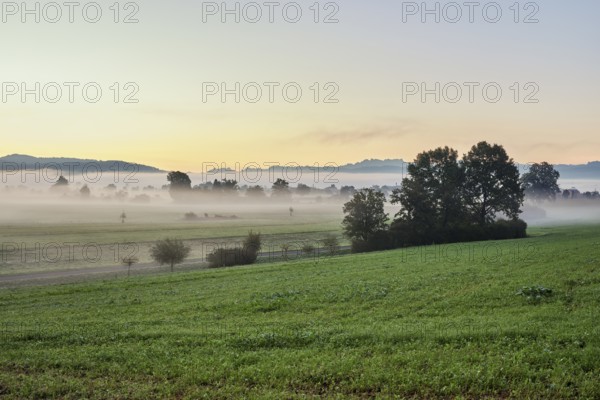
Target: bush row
(404,234)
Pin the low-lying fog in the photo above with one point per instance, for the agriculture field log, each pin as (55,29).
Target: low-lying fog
(144,198)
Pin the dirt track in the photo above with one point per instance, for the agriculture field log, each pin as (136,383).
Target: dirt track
(120,271)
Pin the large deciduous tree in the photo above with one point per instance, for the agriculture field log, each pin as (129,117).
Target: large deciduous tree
(541,182)
(432,193)
(365,214)
(492,183)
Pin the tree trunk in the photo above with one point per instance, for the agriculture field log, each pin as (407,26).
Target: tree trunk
(483,208)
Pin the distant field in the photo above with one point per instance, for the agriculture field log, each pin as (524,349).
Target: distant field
(432,322)
(73,236)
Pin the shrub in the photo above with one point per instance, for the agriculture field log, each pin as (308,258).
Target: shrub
(285,248)
(244,255)
(331,243)
(411,234)
(252,245)
(223,257)
(378,241)
(190,216)
(308,249)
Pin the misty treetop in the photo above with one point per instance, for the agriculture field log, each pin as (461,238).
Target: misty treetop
(541,182)
(179,181)
(180,188)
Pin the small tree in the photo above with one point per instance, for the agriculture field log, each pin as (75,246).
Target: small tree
(179,184)
(62,181)
(285,248)
(169,251)
(303,189)
(331,243)
(129,261)
(61,185)
(291,211)
(281,188)
(85,191)
(123,216)
(255,191)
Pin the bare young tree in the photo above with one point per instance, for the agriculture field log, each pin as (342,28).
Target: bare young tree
(129,261)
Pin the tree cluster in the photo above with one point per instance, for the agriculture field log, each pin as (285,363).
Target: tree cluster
(443,200)
(180,188)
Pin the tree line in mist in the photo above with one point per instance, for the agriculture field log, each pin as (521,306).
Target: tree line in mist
(445,199)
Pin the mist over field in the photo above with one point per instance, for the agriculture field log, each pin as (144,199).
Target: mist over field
(48,228)
(28,197)
(318,177)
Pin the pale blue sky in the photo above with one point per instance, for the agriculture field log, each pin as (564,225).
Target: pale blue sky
(369,53)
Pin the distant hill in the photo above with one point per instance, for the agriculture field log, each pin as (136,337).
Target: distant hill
(363,167)
(375,166)
(590,170)
(24,162)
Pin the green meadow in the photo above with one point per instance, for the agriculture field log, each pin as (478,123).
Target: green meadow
(433,322)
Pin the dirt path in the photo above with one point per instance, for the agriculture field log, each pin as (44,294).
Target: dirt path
(72,275)
(120,271)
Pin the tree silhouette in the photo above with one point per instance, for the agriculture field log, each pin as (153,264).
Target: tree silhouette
(179,183)
(541,182)
(365,214)
(85,191)
(255,191)
(281,188)
(432,193)
(61,184)
(303,189)
(492,183)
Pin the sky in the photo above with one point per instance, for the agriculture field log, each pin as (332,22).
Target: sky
(361,68)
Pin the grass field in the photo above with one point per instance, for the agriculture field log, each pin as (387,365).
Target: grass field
(436,322)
